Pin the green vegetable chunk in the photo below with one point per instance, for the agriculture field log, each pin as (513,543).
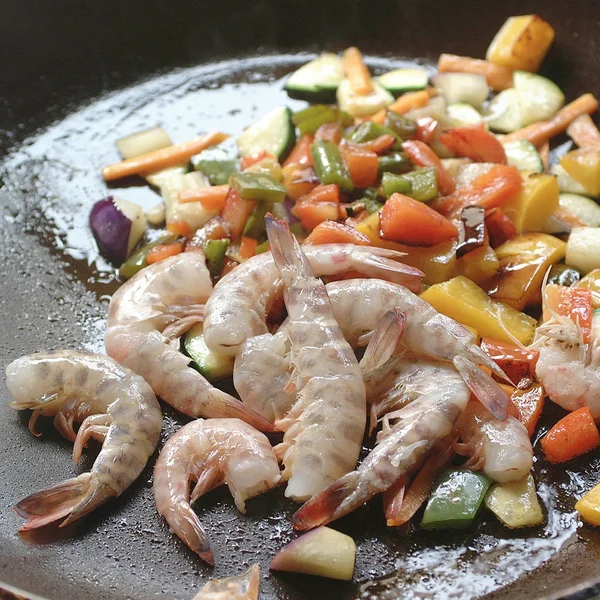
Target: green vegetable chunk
(395,183)
(310,119)
(396,162)
(455,500)
(255,225)
(257,186)
(137,261)
(369,130)
(423,182)
(405,128)
(211,365)
(217,164)
(368,202)
(214,251)
(329,165)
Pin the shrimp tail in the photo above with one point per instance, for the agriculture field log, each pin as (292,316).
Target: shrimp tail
(73,499)
(481,358)
(185,523)
(400,273)
(385,341)
(340,498)
(287,253)
(486,389)
(223,405)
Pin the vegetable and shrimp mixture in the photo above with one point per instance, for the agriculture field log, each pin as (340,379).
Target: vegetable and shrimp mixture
(422,219)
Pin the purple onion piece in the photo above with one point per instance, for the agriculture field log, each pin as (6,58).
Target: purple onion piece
(111,229)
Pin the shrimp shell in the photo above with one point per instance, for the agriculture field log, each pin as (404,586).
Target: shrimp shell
(237,587)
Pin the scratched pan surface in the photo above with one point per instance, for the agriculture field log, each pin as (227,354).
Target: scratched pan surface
(76,76)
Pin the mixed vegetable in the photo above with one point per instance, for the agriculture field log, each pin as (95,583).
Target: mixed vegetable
(452,170)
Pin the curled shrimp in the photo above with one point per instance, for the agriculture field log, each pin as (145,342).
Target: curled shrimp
(210,453)
(236,311)
(501,449)
(325,426)
(114,406)
(237,587)
(147,314)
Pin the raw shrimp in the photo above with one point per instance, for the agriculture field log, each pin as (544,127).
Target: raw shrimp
(325,427)
(501,449)
(210,453)
(114,406)
(237,587)
(147,314)
(406,438)
(237,309)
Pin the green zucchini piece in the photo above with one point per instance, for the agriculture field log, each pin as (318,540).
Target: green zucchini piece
(211,365)
(257,186)
(404,80)
(396,162)
(523,155)
(539,98)
(217,164)
(323,74)
(274,133)
(214,251)
(309,119)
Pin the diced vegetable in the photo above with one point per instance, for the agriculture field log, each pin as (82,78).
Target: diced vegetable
(162,251)
(588,506)
(404,80)
(255,226)
(321,204)
(575,303)
(461,114)
(470,171)
(235,213)
(329,165)
(362,164)
(400,125)
(591,282)
(462,87)
(474,142)
(274,133)
(170,156)
(516,503)
(530,208)
(524,261)
(369,130)
(585,209)
(412,222)
(322,74)
(299,181)
(583,249)
(137,261)
(117,225)
(499,227)
(361,105)
(584,133)
(523,155)
(300,154)
(453,166)
(158,178)
(539,98)
(322,551)
(479,264)
(309,119)
(516,362)
(397,162)
(521,43)
(257,186)
(565,182)
(572,436)
(498,77)
(504,112)
(217,164)
(156,215)
(214,251)
(529,404)
(331,232)
(465,302)
(210,364)
(455,500)
(391,184)
(584,166)
(421,154)
(248,247)
(407,103)
(211,198)
(423,184)
(143,142)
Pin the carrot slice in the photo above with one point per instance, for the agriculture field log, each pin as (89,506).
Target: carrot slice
(426,127)
(357,72)
(498,77)
(421,154)
(404,103)
(529,404)
(211,198)
(332,232)
(162,251)
(575,303)
(541,132)
(329,131)
(489,190)
(583,132)
(235,213)
(248,161)
(317,206)
(499,227)
(300,154)
(516,362)
(362,163)
(179,228)
(163,158)
(474,142)
(248,247)
(572,436)
(412,222)
(381,144)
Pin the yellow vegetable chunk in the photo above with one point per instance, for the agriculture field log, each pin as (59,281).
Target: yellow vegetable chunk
(516,503)
(524,261)
(534,204)
(479,264)
(591,282)
(465,302)
(521,43)
(584,167)
(588,506)
(438,262)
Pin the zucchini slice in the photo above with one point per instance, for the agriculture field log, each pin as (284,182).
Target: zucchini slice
(404,80)
(211,365)
(274,133)
(539,98)
(503,112)
(582,207)
(461,113)
(323,74)
(463,87)
(523,155)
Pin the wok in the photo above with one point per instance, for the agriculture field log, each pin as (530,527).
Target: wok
(78,75)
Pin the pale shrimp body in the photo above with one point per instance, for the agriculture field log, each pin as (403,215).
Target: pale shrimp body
(325,427)
(237,309)
(114,406)
(500,448)
(406,438)
(146,316)
(210,452)
(237,587)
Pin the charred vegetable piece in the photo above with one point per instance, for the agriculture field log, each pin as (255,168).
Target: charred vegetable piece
(211,365)
(588,506)
(217,164)
(396,162)
(423,184)
(330,166)
(310,119)
(391,184)
(516,503)
(455,500)
(257,186)
(400,125)
(472,230)
(564,275)
(215,251)
(137,261)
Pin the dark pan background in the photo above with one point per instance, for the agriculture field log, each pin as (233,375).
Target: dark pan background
(56,55)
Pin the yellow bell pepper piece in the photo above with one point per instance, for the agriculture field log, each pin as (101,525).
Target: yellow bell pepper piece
(534,204)
(584,166)
(478,265)
(521,43)
(437,262)
(524,261)
(591,282)
(588,506)
(516,503)
(465,302)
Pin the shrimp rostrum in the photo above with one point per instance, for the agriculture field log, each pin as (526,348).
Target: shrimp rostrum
(114,406)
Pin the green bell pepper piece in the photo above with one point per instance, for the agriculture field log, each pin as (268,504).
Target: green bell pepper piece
(217,164)
(310,119)
(405,128)
(423,182)
(369,130)
(257,186)
(255,225)
(329,165)
(137,261)
(214,251)
(391,184)
(368,202)
(396,162)
(262,248)
(455,499)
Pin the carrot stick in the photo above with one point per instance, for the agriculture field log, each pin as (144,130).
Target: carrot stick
(162,251)
(356,71)
(572,436)
(163,158)
(248,247)
(404,103)
(584,133)
(211,198)
(498,77)
(544,151)
(541,132)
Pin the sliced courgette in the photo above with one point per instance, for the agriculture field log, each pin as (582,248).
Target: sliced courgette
(582,207)
(211,365)
(323,74)
(461,113)
(539,98)
(503,113)
(523,155)
(216,163)
(404,80)
(274,133)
